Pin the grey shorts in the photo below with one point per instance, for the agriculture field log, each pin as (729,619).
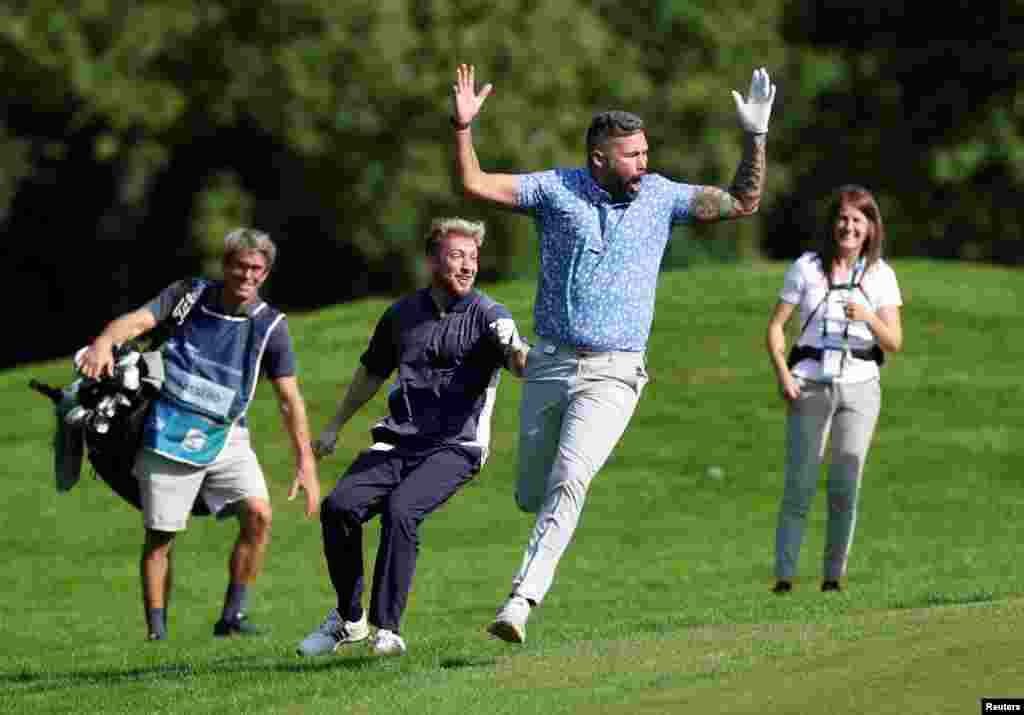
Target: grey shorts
(169,488)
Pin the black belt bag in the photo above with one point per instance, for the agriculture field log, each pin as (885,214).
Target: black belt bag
(806,352)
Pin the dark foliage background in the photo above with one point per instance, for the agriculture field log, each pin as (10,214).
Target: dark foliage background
(135,134)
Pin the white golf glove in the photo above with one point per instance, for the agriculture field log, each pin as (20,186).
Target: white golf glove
(505,332)
(757,109)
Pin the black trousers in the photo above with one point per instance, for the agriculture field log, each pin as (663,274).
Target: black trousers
(403,488)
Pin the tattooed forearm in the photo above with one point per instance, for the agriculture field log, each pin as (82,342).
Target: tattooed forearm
(748,184)
(711,203)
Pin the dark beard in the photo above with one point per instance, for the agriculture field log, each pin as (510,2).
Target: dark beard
(623,192)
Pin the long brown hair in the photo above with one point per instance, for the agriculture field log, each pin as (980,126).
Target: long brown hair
(861,199)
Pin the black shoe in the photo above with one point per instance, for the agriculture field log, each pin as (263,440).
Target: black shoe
(154,636)
(830,585)
(238,626)
(782,586)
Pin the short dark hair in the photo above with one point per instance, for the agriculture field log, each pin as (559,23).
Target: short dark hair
(613,123)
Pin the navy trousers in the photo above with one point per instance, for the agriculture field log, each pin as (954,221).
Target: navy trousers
(403,488)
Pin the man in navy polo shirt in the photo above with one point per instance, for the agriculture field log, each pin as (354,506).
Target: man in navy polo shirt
(448,343)
(602,230)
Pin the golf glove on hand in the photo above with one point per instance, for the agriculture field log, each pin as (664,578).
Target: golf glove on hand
(505,332)
(757,109)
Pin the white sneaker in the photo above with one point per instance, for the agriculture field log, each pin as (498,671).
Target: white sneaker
(388,643)
(510,623)
(333,633)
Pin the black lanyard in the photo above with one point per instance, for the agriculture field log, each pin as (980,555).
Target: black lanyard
(851,285)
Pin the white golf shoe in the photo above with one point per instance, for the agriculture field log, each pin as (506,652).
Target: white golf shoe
(333,633)
(510,623)
(388,643)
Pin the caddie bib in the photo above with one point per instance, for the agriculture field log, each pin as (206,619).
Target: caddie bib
(211,366)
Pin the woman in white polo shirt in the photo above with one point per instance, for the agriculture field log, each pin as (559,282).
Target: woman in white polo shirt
(849,305)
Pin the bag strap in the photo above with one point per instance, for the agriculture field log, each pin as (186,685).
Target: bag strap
(188,301)
(828,278)
(180,313)
(810,318)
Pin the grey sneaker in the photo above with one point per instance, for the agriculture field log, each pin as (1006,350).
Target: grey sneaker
(510,623)
(388,643)
(333,633)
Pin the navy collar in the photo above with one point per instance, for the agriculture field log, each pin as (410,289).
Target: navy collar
(455,305)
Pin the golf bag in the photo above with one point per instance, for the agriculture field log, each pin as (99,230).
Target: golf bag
(104,419)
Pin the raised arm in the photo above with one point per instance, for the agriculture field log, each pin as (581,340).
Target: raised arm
(501,189)
(743,196)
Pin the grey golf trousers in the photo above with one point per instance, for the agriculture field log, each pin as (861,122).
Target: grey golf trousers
(849,413)
(573,410)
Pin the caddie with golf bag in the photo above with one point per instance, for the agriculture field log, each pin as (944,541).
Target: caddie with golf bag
(194,435)
(102,419)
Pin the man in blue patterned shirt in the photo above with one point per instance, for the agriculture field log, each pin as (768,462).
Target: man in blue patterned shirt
(602,230)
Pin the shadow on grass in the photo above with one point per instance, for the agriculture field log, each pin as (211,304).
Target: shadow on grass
(30,681)
(943,599)
(466,663)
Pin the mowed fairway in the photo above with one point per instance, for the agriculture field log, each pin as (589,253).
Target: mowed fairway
(662,604)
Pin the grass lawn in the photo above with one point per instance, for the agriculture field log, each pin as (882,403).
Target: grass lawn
(662,603)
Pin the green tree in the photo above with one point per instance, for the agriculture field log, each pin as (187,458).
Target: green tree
(935,126)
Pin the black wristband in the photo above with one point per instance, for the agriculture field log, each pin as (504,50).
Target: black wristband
(459,127)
